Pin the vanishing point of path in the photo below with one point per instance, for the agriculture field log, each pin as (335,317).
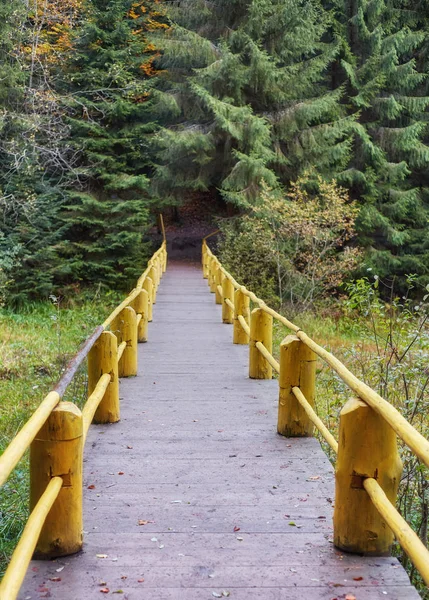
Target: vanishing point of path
(193,495)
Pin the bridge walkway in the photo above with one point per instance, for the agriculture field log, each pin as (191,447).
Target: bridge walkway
(193,495)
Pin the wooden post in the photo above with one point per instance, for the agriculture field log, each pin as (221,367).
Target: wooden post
(148,286)
(125,329)
(159,270)
(164,260)
(297,369)
(219,280)
(212,275)
(227,293)
(102,359)
(57,451)
(205,259)
(140,305)
(241,308)
(261,330)
(367,447)
(153,276)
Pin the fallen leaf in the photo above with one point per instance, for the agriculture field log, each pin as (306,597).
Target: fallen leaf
(350,597)
(104,590)
(129,447)
(124,576)
(118,592)
(101,555)
(292,523)
(236,528)
(54,578)
(120,472)
(140,580)
(357,578)
(143,522)
(91,487)
(314,478)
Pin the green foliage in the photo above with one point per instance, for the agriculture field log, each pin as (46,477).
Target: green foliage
(251,78)
(297,246)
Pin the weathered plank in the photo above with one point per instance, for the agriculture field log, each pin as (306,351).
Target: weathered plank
(233,507)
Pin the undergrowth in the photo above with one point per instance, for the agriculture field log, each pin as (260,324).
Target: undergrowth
(36,343)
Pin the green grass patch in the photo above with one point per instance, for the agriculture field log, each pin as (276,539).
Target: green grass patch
(35,346)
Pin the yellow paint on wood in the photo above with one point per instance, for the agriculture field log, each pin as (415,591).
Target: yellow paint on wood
(154,277)
(297,368)
(16,449)
(125,329)
(140,305)
(148,286)
(408,539)
(17,568)
(241,308)
(261,330)
(228,294)
(367,447)
(57,452)
(102,359)
(218,290)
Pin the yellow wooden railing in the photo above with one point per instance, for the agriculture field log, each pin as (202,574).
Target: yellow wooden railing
(56,432)
(368,467)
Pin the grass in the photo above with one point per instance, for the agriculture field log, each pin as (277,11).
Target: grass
(35,347)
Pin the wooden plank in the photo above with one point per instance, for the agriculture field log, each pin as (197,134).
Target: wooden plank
(197,453)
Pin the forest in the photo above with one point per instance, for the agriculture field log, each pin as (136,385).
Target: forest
(301,126)
(113,111)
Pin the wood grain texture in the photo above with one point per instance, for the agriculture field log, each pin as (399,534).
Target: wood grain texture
(199,455)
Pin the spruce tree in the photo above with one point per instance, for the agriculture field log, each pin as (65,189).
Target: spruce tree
(108,85)
(246,98)
(385,93)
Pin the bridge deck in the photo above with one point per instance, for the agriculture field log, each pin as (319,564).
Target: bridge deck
(232,509)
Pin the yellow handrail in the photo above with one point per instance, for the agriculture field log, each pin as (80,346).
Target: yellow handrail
(12,581)
(408,539)
(414,440)
(16,449)
(93,401)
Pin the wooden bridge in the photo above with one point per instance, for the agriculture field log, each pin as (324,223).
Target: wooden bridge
(191,494)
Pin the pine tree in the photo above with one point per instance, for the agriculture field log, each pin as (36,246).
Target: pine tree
(247,98)
(109,80)
(389,157)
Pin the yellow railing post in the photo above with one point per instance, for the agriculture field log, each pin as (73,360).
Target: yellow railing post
(125,329)
(140,305)
(367,447)
(218,280)
(102,358)
(148,286)
(164,259)
(227,294)
(261,330)
(212,275)
(241,308)
(297,369)
(154,277)
(57,452)
(205,261)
